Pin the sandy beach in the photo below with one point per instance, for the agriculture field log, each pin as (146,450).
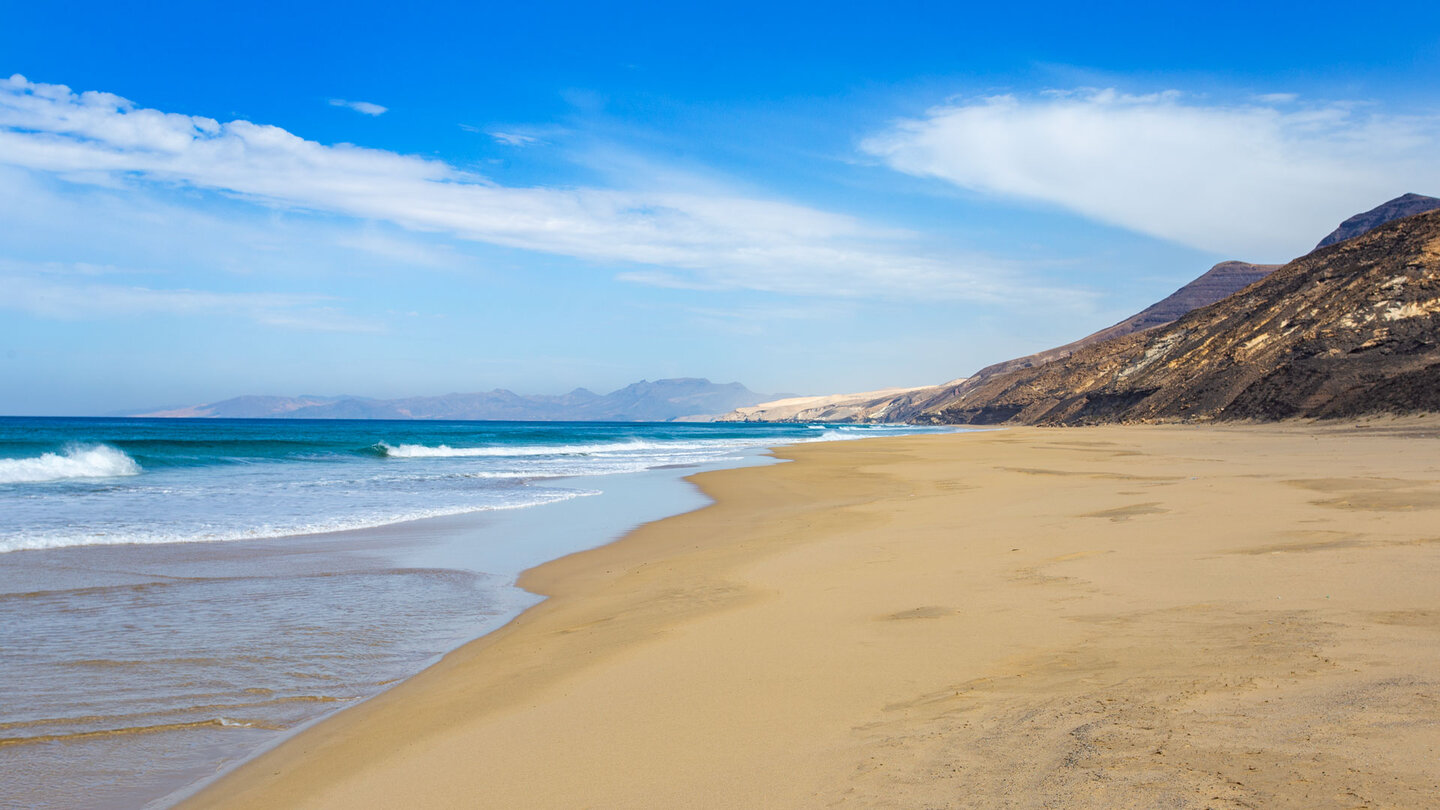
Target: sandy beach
(1087,617)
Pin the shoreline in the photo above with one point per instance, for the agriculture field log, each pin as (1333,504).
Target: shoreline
(617,505)
(842,627)
(390,599)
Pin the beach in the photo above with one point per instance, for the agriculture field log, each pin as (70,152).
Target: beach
(181,595)
(1132,616)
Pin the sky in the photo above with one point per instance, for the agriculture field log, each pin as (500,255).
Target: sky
(389,200)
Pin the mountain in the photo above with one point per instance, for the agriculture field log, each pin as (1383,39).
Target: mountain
(245,407)
(664,400)
(1406,205)
(644,401)
(1350,329)
(1219,282)
(896,404)
(1214,284)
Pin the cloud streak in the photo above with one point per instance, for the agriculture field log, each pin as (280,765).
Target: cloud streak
(1262,180)
(696,239)
(69,300)
(513,138)
(362,107)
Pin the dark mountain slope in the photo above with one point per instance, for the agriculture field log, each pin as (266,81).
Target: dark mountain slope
(1215,284)
(1406,205)
(1349,329)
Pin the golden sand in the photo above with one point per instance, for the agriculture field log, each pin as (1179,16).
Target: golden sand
(1095,617)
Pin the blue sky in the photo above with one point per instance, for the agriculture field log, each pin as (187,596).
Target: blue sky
(391,200)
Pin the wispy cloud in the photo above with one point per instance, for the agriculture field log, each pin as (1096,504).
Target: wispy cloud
(513,138)
(1261,181)
(66,299)
(707,239)
(364,107)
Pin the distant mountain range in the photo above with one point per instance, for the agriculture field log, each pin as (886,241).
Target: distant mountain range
(644,401)
(966,399)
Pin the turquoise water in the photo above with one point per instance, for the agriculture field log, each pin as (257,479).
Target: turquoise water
(67,482)
(176,595)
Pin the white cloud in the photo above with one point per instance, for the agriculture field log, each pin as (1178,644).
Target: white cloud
(69,226)
(1251,181)
(513,138)
(710,238)
(364,107)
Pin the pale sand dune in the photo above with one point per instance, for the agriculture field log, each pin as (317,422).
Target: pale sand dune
(1098,617)
(864,406)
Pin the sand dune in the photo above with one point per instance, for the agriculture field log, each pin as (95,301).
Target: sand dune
(865,406)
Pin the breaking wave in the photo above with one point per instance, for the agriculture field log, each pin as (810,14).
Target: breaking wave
(98,461)
(133,535)
(446,451)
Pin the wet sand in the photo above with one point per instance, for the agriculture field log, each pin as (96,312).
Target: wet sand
(1098,617)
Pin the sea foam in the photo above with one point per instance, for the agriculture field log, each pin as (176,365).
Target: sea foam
(828,434)
(514,451)
(98,461)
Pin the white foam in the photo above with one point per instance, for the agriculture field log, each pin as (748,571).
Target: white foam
(446,451)
(148,536)
(829,433)
(97,461)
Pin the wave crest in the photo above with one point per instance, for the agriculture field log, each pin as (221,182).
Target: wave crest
(512,451)
(425,451)
(98,461)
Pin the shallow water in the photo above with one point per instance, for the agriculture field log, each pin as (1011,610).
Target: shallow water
(131,671)
(66,482)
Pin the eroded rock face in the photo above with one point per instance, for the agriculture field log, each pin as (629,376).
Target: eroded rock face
(1349,329)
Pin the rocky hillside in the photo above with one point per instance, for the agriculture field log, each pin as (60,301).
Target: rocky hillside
(1350,329)
(897,404)
(644,401)
(1225,278)
(1406,205)
(1220,281)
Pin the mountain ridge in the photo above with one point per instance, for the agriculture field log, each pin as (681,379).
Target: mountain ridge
(1347,330)
(644,401)
(894,404)
(1406,205)
(1224,279)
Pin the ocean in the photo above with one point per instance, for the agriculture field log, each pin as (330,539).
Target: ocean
(178,595)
